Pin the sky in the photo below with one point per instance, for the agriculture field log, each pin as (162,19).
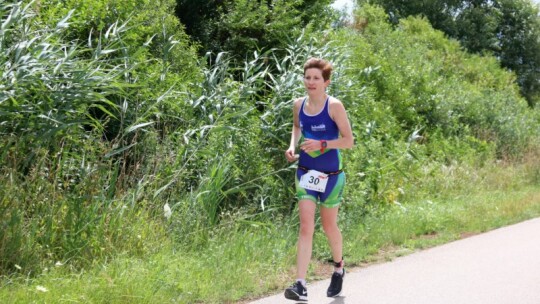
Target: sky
(341,4)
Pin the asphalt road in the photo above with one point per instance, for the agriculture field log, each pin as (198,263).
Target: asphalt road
(498,267)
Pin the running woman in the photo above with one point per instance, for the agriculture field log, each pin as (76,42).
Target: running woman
(321,122)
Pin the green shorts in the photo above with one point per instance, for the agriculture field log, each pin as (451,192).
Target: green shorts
(330,198)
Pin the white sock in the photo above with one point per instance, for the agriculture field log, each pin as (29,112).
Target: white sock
(339,270)
(302,281)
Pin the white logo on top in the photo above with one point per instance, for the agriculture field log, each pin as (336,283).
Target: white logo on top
(319,128)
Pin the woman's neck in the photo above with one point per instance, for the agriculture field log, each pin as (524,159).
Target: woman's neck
(317,99)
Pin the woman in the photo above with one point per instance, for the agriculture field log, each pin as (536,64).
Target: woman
(322,122)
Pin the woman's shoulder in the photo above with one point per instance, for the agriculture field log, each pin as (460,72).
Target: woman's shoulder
(334,103)
(298,102)
(335,107)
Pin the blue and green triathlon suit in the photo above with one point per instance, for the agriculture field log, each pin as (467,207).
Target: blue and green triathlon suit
(320,126)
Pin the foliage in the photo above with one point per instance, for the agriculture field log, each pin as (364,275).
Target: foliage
(519,32)
(241,27)
(48,91)
(151,45)
(508,29)
(451,91)
(414,97)
(62,161)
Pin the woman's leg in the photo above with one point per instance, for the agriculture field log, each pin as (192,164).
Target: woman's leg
(307,210)
(329,218)
(329,222)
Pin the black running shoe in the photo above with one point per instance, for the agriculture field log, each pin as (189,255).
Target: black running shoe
(336,283)
(296,292)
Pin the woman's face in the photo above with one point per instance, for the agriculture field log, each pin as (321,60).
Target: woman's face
(314,82)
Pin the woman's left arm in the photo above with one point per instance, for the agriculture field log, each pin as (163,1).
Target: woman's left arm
(339,115)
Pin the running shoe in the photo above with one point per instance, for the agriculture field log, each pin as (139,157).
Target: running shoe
(336,283)
(296,292)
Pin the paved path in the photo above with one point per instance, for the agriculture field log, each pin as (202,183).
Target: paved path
(498,267)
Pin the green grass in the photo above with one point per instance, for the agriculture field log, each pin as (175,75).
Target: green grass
(428,223)
(234,268)
(246,259)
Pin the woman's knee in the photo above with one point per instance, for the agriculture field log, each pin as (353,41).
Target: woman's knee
(307,228)
(329,218)
(330,227)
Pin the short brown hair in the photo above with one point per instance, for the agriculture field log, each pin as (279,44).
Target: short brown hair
(321,64)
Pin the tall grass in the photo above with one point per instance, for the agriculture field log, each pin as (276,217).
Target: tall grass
(244,258)
(50,88)
(62,165)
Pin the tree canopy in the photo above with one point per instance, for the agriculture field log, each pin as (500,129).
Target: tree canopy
(508,29)
(243,26)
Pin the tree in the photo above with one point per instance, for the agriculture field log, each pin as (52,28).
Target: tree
(508,29)
(199,18)
(519,37)
(242,26)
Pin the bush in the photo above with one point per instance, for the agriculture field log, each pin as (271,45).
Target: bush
(73,112)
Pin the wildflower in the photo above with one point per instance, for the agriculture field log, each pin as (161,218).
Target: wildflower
(167,210)
(41,288)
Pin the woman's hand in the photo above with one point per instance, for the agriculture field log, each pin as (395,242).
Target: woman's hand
(289,154)
(310,145)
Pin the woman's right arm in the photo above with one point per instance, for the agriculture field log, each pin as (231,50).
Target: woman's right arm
(295,133)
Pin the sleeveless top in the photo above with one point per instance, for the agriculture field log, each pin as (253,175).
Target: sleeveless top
(319,126)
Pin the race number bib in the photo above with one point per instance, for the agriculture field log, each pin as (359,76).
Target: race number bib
(314,180)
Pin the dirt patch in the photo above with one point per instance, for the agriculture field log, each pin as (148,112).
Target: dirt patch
(465,235)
